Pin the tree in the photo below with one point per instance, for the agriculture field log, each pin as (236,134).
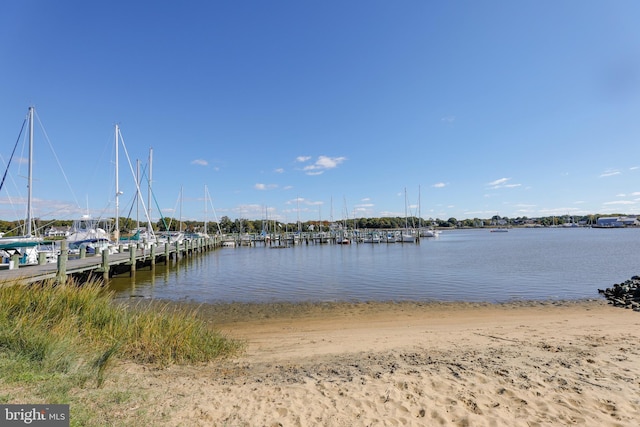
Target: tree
(226,225)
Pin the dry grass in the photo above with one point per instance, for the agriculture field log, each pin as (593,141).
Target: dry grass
(55,340)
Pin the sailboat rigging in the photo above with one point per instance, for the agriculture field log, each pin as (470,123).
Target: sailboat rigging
(25,246)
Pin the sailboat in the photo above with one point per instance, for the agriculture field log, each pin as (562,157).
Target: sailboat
(25,246)
(407,235)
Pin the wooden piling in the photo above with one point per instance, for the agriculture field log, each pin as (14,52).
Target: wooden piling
(61,276)
(153,257)
(132,259)
(105,265)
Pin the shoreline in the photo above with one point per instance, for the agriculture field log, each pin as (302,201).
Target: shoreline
(522,363)
(224,313)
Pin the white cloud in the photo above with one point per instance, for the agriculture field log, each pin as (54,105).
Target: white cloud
(200,162)
(498,182)
(620,202)
(302,159)
(609,173)
(502,183)
(262,187)
(322,164)
(439,185)
(279,170)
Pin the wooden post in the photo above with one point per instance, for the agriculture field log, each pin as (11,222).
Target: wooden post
(61,277)
(167,254)
(14,263)
(153,256)
(42,258)
(105,265)
(83,252)
(177,246)
(133,250)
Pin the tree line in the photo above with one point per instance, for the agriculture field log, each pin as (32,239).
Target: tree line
(227,225)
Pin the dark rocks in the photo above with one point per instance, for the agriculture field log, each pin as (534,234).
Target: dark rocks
(626,295)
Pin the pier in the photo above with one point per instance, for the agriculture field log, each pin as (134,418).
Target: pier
(358,236)
(127,260)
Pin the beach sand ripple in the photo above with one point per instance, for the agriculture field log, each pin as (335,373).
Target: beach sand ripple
(525,364)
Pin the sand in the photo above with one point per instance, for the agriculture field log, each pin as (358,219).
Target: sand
(408,364)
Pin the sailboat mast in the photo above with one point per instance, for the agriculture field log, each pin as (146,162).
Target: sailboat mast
(116,232)
(298,209)
(181,191)
(419,208)
(405,208)
(137,195)
(205,209)
(150,181)
(30,175)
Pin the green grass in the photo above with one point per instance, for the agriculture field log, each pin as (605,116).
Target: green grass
(58,340)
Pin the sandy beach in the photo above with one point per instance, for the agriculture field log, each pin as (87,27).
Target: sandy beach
(403,364)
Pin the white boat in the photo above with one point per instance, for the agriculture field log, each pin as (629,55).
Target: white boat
(25,247)
(171,237)
(373,237)
(429,232)
(90,233)
(228,243)
(408,236)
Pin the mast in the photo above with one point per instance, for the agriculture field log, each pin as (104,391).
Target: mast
(205,209)
(137,195)
(405,209)
(30,175)
(116,232)
(419,209)
(150,181)
(181,191)
(298,209)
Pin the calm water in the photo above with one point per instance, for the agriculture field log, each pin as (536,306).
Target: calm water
(473,265)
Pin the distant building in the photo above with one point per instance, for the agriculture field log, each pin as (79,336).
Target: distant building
(59,231)
(617,222)
(629,221)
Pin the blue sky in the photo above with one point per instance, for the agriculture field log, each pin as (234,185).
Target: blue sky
(325,109)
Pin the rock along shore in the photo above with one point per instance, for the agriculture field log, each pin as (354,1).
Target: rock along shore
(626,294)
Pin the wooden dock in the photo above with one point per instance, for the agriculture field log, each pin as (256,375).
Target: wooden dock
(128,259)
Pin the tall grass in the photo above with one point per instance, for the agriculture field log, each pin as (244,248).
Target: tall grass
(68,328)
(57,342)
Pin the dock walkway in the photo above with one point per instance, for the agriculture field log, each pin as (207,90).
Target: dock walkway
(127,260)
